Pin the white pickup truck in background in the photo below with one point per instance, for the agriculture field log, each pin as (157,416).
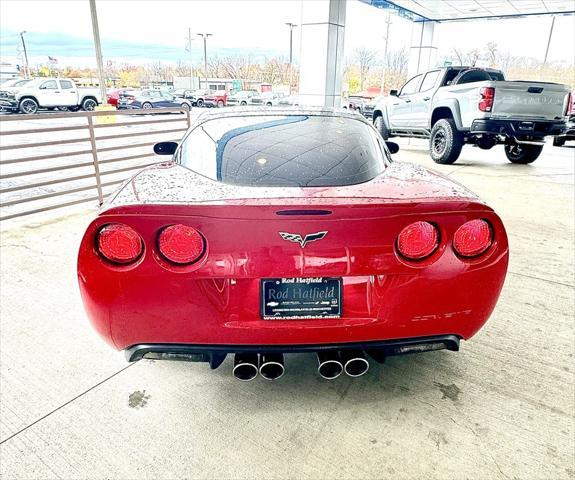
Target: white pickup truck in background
(454,106)
(49,93)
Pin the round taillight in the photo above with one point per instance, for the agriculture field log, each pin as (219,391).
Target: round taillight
(418,240)
(181,244)
(119,243)
(473,238)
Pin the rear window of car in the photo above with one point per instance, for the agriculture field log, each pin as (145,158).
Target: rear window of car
(284,151)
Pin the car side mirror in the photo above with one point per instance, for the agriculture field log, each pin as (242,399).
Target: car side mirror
(165,148)
(393,93)
(392,147)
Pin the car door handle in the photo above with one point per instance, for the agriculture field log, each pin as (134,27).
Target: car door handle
(407,101)
(426,99)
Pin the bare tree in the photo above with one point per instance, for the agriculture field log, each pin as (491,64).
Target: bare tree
(492,50)
(365,58)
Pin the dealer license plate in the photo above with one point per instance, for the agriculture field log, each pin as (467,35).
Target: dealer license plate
(300,298)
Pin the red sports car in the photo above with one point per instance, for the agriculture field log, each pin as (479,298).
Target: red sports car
(289,231)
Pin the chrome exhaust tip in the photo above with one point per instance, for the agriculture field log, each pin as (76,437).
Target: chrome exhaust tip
(245,366)
(329,365)
(272,365)
(354,363)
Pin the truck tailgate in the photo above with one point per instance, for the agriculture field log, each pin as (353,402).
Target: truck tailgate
(532,100)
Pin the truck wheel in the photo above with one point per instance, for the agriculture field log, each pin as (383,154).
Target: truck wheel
(446,142)
(220,103)
(381,127)
(28,106)
(200,102)
(243,103)
(522,154)
(89,104)
(558,141)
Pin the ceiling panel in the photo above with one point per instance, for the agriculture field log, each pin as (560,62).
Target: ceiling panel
(449,10)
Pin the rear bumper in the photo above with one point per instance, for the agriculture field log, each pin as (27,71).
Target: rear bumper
(518,128)
(215,354)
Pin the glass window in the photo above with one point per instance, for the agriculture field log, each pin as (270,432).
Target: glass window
(66,84)
(49,85)
(429,80)
(411,86)
(284,151)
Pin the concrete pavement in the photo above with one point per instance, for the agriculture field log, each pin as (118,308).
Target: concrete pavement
(503,407)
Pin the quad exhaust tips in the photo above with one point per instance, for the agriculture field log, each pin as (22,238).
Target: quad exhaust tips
(272,365)
(354,362)
(329,364)
(245,366)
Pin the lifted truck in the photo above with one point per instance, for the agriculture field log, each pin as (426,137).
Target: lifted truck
(454,106)
(49,93)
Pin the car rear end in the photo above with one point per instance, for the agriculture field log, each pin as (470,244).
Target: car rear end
(294,234)
(361,286)
(126,99)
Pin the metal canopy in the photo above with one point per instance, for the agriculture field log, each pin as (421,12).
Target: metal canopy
(454,10)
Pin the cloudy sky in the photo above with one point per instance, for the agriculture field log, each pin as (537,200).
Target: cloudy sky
(146,31)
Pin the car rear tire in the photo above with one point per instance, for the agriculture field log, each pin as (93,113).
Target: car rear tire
(522,154)
(147,106)
(269,104)
(28,106)
(558,141)
(446,142)
(89,104)
(220,103)
(185,106)
(381,127)
(200,102)
(243,104)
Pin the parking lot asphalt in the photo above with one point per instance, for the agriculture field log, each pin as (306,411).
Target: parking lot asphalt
(501,408)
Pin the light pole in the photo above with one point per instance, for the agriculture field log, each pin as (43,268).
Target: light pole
(291,27)
(27,71)
(98,47)
(388,21)
(205,37)
(189,48)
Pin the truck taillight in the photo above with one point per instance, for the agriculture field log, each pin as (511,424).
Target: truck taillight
(570,105)
(486,101)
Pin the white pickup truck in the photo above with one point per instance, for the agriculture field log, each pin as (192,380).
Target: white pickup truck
(49,93)
(454,106)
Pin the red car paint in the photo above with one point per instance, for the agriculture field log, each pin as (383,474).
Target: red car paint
(216,301)
(217,99)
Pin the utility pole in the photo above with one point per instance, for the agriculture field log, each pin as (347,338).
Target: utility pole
(549,40)
(384,71)
(189,49)
(291,27)
(27,69)
(98,48)
(205,37)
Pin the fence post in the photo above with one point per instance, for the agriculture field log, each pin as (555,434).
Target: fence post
(95,157)
(188,117)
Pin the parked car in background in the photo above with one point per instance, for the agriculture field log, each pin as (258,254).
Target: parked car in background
(308,230)
(453,106)
(369,107)
(148,99)
(240,98)
(182,93)
(11,86)
(267,99)
(356,103)
(289,101)
(217,99)
(49,93)
(113,96)
(198,97)
(569,134)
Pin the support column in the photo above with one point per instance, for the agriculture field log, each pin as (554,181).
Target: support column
(423,53)
(321,57)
